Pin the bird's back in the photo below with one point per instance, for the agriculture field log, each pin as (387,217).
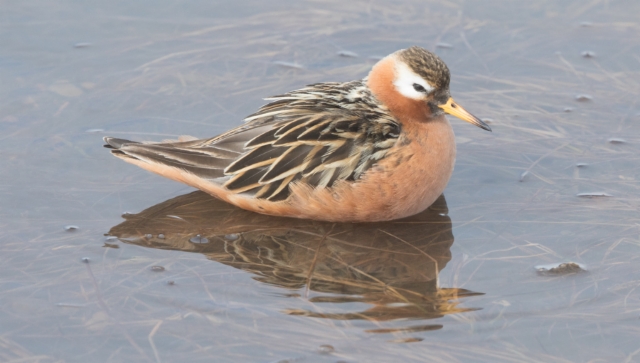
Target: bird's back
(315,136)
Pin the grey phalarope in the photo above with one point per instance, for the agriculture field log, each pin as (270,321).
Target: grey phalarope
(375,149)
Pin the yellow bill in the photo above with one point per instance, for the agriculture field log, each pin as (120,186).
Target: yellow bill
(452,108)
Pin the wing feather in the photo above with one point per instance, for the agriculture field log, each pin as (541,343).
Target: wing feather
(261,156)
(289,163)
(316,135)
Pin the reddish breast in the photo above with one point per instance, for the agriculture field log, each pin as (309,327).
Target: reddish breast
(406,181)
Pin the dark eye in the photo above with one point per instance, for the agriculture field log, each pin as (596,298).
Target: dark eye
(419,88)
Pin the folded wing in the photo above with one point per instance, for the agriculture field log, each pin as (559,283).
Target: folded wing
(317,135)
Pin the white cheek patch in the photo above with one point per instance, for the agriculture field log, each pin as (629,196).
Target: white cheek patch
(405,78)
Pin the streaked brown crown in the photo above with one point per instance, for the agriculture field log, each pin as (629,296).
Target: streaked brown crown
(427,65)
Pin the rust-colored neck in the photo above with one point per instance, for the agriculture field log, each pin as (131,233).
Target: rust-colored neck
(380,81)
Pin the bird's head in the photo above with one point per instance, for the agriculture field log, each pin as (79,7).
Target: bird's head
(415,82)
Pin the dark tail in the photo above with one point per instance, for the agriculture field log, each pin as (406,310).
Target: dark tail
(114,143)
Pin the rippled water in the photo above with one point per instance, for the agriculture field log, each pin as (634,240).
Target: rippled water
(533,256)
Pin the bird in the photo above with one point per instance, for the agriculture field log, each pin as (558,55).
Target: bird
(368,150)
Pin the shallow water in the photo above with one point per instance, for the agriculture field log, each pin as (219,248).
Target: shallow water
(556,181)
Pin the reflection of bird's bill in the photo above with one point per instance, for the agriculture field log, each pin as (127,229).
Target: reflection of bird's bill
(377,263)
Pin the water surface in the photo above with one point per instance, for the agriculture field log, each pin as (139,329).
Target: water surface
(556,181)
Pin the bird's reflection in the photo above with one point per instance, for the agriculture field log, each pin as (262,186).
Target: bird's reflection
(392,266)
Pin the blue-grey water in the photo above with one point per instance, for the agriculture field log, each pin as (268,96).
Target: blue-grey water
(557,181)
